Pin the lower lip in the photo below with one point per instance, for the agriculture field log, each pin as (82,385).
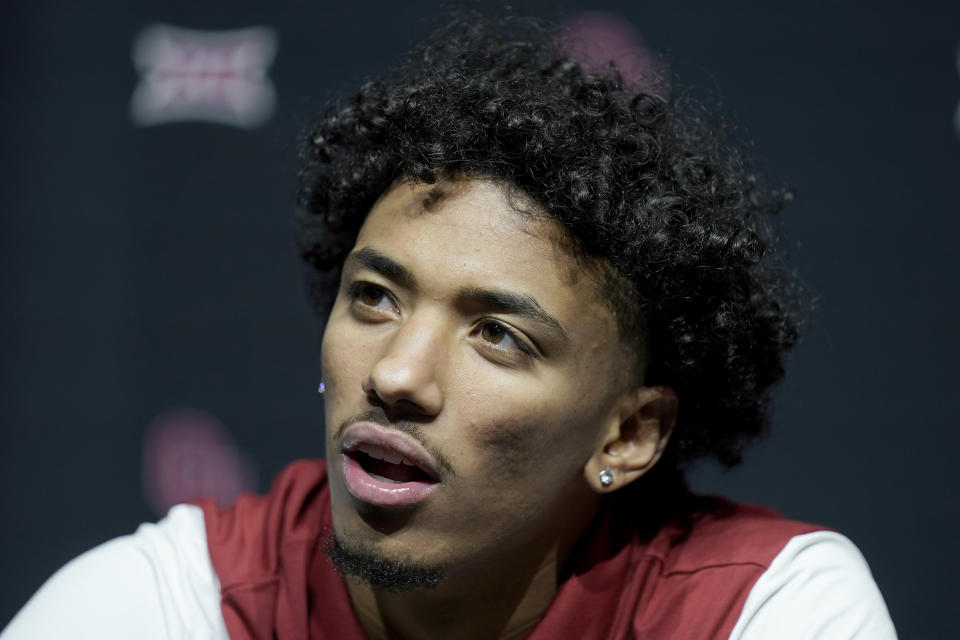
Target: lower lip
(382,493)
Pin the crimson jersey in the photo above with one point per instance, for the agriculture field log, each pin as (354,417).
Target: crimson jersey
(688,581)
(258,570)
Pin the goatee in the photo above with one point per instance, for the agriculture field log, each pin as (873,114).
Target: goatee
(379,571)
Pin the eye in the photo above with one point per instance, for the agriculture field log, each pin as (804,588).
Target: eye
(372,296)
(503,338)
(493,333)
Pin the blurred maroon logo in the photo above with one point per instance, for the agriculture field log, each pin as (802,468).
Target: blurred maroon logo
(596,39)
(217,76)
(188,453)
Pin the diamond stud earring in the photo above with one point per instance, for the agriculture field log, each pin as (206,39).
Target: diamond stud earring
(322,387)
(606,477)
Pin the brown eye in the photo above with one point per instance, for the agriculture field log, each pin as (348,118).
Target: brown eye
(502,338)
(370,295)
(493,333)
(364,295)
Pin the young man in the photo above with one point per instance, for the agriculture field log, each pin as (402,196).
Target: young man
(548,293)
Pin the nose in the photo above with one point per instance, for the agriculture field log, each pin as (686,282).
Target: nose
(406,376)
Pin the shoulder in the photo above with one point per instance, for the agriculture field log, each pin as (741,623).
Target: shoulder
(715,533)
(155,583)
(818,586)
(747,572)
(262,548)
(168,579)
(249,540)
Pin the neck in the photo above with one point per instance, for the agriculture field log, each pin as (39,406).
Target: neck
(499,598)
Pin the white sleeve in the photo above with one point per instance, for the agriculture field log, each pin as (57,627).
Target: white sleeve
(155,584)
(818,587)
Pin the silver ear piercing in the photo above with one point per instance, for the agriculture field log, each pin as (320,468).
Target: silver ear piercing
(606,477)
(321,388)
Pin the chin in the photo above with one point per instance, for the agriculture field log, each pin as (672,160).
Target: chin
(381,569)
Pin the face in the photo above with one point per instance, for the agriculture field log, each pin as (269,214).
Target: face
(470,375)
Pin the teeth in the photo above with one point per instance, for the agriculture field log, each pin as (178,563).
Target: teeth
(385,455)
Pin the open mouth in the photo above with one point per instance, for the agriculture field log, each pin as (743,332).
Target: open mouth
(389,467)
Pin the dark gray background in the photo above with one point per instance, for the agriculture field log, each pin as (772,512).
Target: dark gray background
(144,268)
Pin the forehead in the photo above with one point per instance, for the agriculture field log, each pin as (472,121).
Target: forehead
(478,230)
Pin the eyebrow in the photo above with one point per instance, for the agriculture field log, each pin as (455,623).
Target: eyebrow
(514,304)
(385,266)
(500,301)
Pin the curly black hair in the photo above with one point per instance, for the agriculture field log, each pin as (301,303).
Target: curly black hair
(650,186)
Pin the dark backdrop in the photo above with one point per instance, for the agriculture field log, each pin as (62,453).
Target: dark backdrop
(146,268)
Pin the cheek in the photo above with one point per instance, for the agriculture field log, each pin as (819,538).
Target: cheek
(342,368)
(333,366)
(533,444)
(343,356)
(509,446)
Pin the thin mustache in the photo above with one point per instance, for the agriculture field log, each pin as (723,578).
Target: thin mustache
(412,429)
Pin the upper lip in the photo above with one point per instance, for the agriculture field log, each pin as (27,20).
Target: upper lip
(380,442)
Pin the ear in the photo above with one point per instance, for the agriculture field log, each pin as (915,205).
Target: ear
(635,438)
